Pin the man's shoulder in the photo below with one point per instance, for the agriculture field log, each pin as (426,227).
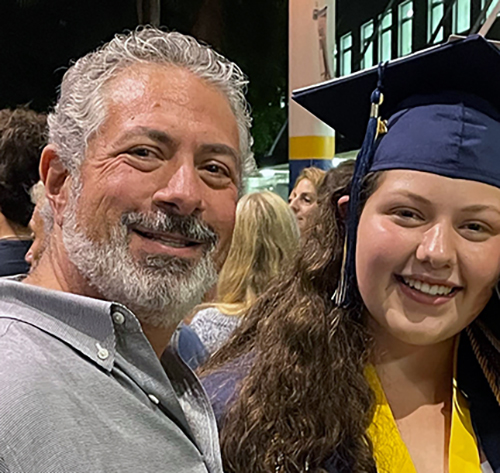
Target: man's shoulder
(26,351)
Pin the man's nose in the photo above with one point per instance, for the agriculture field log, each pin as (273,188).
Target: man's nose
(437,247)
(183,191)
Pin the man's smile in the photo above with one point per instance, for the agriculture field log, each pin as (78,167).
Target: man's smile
(172,244)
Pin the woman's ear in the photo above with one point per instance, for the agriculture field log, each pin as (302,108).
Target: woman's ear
(343,206)
(55,178)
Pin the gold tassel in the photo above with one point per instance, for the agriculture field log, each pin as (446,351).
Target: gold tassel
(339,295)
(381,127)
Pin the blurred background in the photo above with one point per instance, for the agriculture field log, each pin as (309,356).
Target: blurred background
(323,39)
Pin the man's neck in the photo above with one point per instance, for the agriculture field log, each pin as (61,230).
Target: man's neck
(159,338)
(414,376)
(56,272)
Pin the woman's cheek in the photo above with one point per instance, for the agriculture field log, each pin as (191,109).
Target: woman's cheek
(481,266)
(383,249)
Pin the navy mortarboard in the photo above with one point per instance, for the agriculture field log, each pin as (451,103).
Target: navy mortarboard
(442,106)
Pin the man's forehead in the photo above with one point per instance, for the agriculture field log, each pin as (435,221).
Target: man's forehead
(138,81)
(125,88)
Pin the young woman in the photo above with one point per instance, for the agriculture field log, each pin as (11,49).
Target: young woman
(265,240)
(400,373)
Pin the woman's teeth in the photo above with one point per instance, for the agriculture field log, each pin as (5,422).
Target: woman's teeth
(431,289)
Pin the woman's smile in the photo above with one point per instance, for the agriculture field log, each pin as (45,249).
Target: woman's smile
(426,291)
(427,262)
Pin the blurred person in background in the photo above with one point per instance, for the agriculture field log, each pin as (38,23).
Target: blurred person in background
(265,240)
(41,224)
(22,138)
(304,195)
(334,178)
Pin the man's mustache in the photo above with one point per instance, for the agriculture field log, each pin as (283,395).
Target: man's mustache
(187,226)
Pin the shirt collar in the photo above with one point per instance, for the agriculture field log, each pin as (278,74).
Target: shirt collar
(84,323)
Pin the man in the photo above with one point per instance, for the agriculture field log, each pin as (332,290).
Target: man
(147,147)
(22,138)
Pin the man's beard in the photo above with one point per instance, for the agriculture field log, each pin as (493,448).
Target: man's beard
(160,289)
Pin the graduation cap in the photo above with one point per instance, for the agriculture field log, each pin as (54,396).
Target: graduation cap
(443,108)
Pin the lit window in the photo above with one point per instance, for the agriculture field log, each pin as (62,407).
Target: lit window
(367,45)
(435,11)
(345,54)
(490,9)
(385,37)
(461,15)
(405,28)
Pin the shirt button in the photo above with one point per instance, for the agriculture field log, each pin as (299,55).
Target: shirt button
(118,318)
(102,353)
(154,399)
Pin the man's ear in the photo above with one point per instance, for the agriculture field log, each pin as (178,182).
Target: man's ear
(56,180)
(343,206)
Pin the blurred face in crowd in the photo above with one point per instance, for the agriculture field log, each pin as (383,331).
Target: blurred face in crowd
(36,225)
(428,254)
(303,201)
(156,198)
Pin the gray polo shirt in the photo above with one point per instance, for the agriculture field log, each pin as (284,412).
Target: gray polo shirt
(81,391)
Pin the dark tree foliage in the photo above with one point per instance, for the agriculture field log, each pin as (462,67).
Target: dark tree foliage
(39,38)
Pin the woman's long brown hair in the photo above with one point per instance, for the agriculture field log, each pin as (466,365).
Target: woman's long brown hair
(305,401)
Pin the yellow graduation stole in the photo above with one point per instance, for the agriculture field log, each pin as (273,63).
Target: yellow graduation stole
(391,454)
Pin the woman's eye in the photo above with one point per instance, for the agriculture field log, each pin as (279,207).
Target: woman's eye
(407,214)
(477,231)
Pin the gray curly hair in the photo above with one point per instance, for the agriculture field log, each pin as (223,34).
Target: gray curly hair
(81,108)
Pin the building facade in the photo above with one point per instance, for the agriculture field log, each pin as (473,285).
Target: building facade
(369,32)
(373,31)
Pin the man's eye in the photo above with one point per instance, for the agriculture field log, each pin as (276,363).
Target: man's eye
(216,169)
(142,152)
(475,227)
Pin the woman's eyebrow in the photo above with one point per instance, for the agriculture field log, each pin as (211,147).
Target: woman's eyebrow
(411,195)
(481,208)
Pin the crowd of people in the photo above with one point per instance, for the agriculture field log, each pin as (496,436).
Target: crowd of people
(155,318)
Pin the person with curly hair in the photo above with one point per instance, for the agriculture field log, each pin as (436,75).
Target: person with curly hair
(22,138)
(379,351)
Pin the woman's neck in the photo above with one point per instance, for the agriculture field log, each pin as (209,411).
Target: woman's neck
(417,381)
(414,376)
(10,230)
